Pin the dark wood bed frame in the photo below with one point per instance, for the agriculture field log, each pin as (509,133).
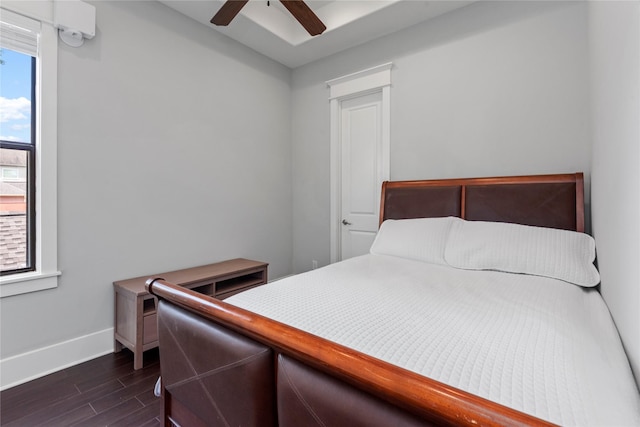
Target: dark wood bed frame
(222,365)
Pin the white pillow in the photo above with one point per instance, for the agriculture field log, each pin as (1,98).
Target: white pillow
(560,254)
(420,239)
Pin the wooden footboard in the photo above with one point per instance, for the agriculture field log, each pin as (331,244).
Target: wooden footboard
(268,355)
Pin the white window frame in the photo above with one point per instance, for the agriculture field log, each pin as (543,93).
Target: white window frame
(46,273)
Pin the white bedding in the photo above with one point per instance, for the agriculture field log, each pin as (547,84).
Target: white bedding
(540,345)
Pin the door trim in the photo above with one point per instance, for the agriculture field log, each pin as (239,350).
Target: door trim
(353,85)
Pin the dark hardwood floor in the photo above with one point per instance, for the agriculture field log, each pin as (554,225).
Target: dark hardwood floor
(101,392)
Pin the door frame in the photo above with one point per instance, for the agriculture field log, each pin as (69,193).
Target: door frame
(371,80)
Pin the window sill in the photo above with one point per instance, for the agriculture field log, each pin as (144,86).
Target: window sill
(28,282)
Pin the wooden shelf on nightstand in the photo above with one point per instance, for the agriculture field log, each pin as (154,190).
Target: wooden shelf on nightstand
(135,309)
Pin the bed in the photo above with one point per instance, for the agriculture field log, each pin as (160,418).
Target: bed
(450,320)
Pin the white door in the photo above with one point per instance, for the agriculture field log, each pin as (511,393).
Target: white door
(360,146)
(361,172)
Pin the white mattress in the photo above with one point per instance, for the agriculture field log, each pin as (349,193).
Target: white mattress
(539,345)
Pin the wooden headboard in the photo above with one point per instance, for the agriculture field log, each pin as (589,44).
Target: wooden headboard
(554,201)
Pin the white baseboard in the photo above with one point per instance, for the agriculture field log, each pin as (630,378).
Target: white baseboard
(34,364)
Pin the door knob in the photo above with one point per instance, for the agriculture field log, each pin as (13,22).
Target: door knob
(345,222)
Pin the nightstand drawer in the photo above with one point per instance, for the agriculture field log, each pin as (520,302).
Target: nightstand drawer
(150,329)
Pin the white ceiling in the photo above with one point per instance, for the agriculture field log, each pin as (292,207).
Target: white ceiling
(272,31)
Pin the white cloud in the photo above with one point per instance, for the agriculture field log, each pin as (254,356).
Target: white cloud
(14,109)
(10,138)
(19,127)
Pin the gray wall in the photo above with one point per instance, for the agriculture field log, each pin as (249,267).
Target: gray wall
(158,111)
(614,38)
(174,150)
(491,89)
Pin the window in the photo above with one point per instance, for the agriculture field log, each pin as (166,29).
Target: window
(17,160)
(12,174)
(28,198)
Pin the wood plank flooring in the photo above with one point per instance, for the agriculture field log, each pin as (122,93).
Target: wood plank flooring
(106,391)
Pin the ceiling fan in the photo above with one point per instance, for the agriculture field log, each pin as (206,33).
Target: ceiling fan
(298,8)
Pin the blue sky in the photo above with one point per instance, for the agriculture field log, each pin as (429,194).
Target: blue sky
(15,96)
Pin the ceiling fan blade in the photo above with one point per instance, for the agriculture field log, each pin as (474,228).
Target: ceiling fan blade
(228,11)
(305,16)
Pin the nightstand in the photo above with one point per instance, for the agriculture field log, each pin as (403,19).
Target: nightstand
(135,309)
